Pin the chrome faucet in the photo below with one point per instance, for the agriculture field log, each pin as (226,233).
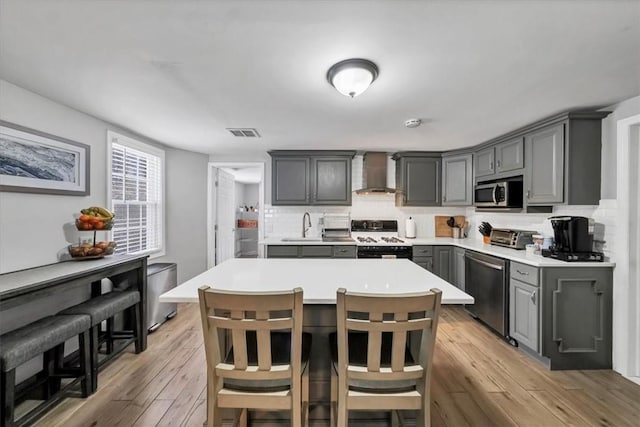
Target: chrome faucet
(306,228)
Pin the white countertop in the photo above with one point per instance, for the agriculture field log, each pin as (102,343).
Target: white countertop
(472,244)
(300,241)
(320,278)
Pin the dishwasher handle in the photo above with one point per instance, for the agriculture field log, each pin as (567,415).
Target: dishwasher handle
(498,267)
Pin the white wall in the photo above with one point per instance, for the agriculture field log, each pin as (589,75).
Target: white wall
(32,226)
(624,109)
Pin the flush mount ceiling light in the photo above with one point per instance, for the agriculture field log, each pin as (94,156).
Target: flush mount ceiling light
(353,76)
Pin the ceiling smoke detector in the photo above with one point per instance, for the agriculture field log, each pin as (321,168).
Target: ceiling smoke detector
(413,123)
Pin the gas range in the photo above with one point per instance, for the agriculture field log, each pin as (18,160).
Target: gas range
(379,239)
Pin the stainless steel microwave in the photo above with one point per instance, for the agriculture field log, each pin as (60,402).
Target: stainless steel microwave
(501,194)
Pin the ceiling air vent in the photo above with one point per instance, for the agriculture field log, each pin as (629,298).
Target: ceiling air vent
(244,132)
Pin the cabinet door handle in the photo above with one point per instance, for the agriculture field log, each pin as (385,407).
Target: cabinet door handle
(524,273)
(533,296)
(528,193)
(342,251)
(491,165)
(499,163)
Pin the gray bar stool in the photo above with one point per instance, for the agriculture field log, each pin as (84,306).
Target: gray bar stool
(45,336)
(103,308)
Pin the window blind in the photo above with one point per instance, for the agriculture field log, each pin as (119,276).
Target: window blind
(136,199)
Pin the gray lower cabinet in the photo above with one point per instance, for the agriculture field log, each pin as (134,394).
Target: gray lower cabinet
(311,251)
(443,262)
(524,313)
(423,256)
(458,268)
(436,259)
(457,180)
(563,313)
(576,324)
(418,179)
(311,177)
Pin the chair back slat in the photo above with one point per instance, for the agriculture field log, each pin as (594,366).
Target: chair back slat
(399,343)
(264,342)
(388,326)
(374,343)
(239,342)
(245,313)
(377,314)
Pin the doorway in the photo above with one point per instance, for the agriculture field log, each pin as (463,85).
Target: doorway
(235,210)
(626,296)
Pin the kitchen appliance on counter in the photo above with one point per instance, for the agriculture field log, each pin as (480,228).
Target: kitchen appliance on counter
(501,195)
(336,228)
(573,239)
(487,281)
(379,239)
(515,239)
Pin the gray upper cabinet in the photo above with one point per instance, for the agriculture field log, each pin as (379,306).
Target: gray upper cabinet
(563,157)
(311,177)
(510,155)
(418,179)
(484,162)
(545,172)
(457,180)
(331,180)
(290,181)
(499,160)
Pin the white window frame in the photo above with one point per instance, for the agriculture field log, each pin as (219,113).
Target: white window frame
(114,137)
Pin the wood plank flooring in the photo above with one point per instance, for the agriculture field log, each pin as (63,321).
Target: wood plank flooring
(478,380)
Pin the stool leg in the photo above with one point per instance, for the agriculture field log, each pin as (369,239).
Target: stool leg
(86,365)
(8,384)
(93,350)
(109,335)
(137,320)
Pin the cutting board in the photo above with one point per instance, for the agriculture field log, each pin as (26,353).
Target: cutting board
(442,229)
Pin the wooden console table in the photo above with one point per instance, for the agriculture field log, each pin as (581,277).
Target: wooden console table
(20,287)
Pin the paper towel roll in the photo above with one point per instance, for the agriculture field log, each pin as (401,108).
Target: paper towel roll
(410,229)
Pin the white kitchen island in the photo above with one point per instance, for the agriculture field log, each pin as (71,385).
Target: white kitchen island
(319,278)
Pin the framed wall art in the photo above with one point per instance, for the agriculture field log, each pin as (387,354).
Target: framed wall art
(36,162)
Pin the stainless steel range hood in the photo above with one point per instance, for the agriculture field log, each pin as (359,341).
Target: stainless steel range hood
(374,174)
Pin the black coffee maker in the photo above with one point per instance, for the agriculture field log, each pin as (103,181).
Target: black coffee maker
(573,237)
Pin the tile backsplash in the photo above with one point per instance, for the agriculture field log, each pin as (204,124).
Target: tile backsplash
(287,220)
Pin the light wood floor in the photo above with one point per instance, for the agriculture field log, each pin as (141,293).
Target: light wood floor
(478,380)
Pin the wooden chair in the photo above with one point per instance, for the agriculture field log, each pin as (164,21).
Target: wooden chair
(373,368)
(261,362)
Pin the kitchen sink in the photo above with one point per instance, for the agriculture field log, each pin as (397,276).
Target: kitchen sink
(301,239)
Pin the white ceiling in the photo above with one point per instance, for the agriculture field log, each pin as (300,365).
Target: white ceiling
(181,72)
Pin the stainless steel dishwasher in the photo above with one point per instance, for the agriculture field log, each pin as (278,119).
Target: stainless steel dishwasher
(161,277)
(487,281)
